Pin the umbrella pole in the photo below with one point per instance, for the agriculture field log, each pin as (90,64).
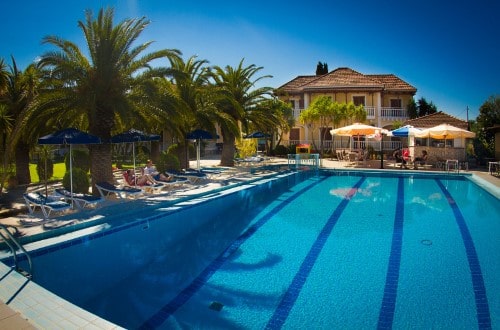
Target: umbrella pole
(133,155)
(71,174)
(46,189)
(198,154)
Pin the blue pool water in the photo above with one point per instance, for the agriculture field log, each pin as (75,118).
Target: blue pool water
(332,250)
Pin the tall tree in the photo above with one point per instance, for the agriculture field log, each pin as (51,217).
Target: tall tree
(99,89)
(425,108)
(237,95)
(195,106)
(489,116)
(321,69)
(319,114)
(412,109)
(17,100)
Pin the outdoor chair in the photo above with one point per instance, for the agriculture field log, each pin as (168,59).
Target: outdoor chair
(46,204)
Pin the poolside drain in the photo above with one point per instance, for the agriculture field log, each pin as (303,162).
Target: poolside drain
(427,242)
(216,306)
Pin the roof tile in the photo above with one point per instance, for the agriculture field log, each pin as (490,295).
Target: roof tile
(435,119)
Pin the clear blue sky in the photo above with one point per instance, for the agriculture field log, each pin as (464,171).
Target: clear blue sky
(450,51)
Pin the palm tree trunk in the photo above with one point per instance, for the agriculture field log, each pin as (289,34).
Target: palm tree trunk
(182,153)
(101,164)
(23,163)
(227,157)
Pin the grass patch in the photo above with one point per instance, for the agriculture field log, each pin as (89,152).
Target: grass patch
(59,171)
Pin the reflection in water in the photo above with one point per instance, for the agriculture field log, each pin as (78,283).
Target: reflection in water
(348,193)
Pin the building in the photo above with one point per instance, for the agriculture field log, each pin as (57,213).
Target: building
(384,96)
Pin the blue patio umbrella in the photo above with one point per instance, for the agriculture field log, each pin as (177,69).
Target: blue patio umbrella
(133,136)
(406,131)
(257,135)
(198,135)
(69,136)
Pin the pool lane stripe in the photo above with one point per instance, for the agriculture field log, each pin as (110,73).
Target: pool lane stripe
(481,299)
(386,315)
(166,311)
(288,300)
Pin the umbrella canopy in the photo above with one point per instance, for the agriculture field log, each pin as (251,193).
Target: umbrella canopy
(445,131)
(405,131)
(197,135)
(132,136)
(200,134)
(356,129)
(69,136)
(257,135)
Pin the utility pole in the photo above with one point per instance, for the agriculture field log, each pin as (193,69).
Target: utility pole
(468,125)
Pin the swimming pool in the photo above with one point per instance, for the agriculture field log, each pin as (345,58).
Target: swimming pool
(332,250)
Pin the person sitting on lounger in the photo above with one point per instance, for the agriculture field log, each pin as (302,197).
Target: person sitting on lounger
(421,160)
(151,170)
(143,180)
(399,159)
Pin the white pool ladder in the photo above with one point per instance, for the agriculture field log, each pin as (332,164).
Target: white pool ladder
(14,245)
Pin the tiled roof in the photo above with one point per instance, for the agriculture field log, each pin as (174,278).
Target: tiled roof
(435,119)
(347,79)
(391,82)
(344,78)
(298,82)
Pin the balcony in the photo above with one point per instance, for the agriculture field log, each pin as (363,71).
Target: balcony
(385,113)
(388,113)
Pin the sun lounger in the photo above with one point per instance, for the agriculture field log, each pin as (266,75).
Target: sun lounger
(106,188)
(192,176)
(46,205)
(147,188)
(81,200)
(176,181)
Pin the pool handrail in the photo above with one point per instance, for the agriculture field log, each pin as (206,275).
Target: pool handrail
(12,239)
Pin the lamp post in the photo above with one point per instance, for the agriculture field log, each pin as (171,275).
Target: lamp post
(378,137)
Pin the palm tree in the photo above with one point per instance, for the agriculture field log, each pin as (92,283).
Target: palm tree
(194,106)
(17,102)
(97,91)
(237,96)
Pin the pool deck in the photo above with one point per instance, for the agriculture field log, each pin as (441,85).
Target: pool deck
(24,305)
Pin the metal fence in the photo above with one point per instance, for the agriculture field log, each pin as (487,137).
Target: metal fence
(297,161)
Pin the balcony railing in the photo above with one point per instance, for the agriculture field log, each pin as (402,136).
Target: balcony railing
(393,113)
(386,113)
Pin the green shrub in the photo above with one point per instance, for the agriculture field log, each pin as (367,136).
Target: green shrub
(172,149)
(80,181)
(168,161)
(81,159)
(40,169)
(281,150)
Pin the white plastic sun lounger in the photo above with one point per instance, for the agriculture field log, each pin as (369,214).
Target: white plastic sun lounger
(47,205)
(105,189)
(81,200)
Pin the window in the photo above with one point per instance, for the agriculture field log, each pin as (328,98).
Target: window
(301,104)
(295,134)
(358,100)
(396,103)
(292,104)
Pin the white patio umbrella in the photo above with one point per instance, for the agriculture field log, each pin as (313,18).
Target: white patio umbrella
(356,129)
(445,131)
